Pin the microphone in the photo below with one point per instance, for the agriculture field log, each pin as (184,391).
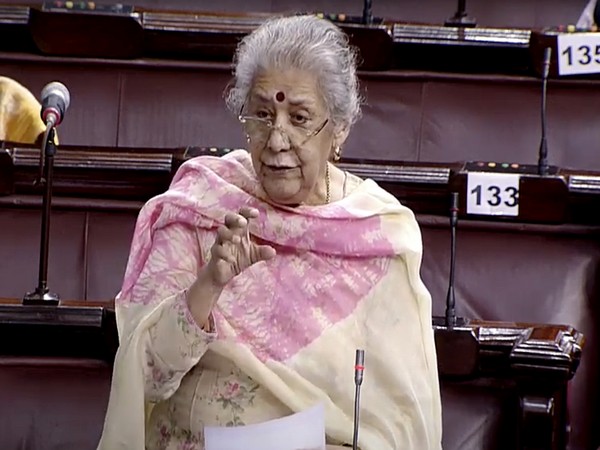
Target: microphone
(359,368)
(367,17)
(451,320)
(460,17)
(55,102)
(543,153)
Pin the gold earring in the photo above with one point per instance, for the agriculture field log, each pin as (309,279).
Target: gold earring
(248,138)
(337,153)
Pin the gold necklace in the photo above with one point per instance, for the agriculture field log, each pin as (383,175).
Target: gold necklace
(327,182)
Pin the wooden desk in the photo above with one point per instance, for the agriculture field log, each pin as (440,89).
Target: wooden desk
(535,360)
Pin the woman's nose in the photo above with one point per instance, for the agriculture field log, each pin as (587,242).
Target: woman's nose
(278,139)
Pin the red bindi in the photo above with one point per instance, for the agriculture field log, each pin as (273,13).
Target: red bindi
(280,96)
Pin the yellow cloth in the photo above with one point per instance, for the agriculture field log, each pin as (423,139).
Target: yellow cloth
(20,119)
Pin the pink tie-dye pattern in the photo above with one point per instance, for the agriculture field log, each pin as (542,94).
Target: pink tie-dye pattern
(327,259)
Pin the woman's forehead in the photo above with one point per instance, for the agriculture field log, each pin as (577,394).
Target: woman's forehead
(281,96)
(289,87)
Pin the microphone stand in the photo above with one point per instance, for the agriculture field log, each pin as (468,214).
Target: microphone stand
(41,295)
(450,316)
(359,367)
(460,18)
(456,344)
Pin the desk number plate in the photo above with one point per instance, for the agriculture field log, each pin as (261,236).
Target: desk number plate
(493,194)
(578,53)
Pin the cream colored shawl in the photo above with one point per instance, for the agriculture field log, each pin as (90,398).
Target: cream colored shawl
(346,276)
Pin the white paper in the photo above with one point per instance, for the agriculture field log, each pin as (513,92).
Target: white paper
(301,431)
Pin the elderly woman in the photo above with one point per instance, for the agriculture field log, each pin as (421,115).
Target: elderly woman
(254,278)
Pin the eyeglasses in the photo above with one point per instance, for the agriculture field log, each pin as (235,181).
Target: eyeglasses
(260,129)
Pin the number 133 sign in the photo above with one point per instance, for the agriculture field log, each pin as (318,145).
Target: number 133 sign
(493,194)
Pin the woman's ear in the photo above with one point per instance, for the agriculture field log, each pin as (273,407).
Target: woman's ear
(340,134)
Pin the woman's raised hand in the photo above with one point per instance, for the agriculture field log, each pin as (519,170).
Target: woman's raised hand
(233,251)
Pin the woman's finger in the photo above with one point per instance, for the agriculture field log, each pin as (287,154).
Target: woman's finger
(265,252)
(236,222)
(224,234)
(248,212)
(222,253)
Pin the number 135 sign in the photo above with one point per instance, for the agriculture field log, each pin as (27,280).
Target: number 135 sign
(578,53)
(493,194)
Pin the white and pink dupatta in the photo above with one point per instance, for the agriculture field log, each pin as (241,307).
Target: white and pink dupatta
(346,276)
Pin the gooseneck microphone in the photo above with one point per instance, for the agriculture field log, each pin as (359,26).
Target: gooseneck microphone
(460,17)
(450,297)
(367,16)
(55,100)
(543,153)
(359,368)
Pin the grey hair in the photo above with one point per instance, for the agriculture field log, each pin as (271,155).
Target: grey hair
(305,43)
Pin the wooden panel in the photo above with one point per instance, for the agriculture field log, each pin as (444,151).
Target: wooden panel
(220,6)
(526,13)
(158,112)
(478,417)
(499,120)
(562,197)
(479,121)
(19,252)
(47,406)
(93,115)
(529,277)
(407,116)
(109,240)
(176,108)
(507,281)
(72,329)
(390,114)
(573,133)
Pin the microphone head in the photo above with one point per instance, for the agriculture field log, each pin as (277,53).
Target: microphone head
(55,101)
(359,366)
(58,89)
(454,201)
(546,62)
(360,358)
